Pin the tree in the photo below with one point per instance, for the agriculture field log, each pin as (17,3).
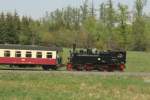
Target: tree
(84,10)
(25,36)
(2,28)
(102,13)
(122,18)
(139,26)
(110,21)
(11,32)
(35,32)
(89,28)
(147,33)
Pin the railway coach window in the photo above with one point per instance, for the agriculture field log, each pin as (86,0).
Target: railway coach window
(6,53)
(18,54)
(28,54)
(49,55)
(39,54)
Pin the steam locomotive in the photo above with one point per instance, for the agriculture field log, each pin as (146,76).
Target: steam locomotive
(89,60)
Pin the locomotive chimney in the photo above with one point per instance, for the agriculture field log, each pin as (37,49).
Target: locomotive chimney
(74,47)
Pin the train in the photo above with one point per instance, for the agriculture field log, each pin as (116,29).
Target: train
(49,58)
(89,60)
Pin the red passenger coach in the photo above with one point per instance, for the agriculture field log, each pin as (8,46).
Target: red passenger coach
(22,55)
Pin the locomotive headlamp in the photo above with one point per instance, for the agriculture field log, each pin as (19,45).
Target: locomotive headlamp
(99,59)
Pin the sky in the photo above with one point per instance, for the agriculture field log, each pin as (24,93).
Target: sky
(37,8)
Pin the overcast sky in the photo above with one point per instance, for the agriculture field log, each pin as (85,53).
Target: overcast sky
(37,8)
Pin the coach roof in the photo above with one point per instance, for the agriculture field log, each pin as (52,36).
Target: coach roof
(28,47)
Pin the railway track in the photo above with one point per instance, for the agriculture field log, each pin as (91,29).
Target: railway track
(75,72)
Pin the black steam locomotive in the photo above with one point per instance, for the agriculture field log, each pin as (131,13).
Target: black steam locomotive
(96,60)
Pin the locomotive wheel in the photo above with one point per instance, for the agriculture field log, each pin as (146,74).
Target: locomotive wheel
(100,69)
(79,67)
(103,68)
(45,67)
(69,67)
(122,67)
(88,67)
(110,68)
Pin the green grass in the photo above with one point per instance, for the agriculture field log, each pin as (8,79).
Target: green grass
(60,86)
(138,62)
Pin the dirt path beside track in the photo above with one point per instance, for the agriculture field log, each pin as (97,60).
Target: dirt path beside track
(24,71)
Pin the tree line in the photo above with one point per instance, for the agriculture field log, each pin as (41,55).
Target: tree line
(106,27)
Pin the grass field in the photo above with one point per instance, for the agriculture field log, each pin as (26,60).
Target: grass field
(61,86)
(136,61)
